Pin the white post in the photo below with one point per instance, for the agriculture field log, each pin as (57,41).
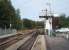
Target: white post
(5,28)
(10,26)
(45,30)
(50,21)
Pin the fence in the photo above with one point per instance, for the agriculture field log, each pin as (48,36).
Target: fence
(7,31)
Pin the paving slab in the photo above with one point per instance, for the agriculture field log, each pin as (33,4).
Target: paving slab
(39,43)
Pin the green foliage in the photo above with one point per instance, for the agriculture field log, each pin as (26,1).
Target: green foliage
(18,20)
(64,21)
(7,13)
(29,24)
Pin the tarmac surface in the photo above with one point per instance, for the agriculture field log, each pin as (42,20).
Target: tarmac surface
(57,43)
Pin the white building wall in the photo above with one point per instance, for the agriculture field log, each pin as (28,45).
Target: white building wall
(48,24)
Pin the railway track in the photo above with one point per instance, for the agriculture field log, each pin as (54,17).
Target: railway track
(12,40)
(29,43)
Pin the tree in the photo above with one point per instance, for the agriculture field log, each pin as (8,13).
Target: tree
(18,20)
(27,23)
(7,14)
(64,21)
(30,24)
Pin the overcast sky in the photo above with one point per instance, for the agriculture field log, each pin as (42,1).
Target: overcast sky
(31,8)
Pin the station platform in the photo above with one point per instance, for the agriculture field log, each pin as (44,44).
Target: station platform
(40,43)
(7,35)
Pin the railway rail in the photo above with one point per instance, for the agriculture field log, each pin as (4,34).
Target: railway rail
(11,40)
(29,43)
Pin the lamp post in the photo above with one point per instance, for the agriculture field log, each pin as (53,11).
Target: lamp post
(47,22)
(50,18)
